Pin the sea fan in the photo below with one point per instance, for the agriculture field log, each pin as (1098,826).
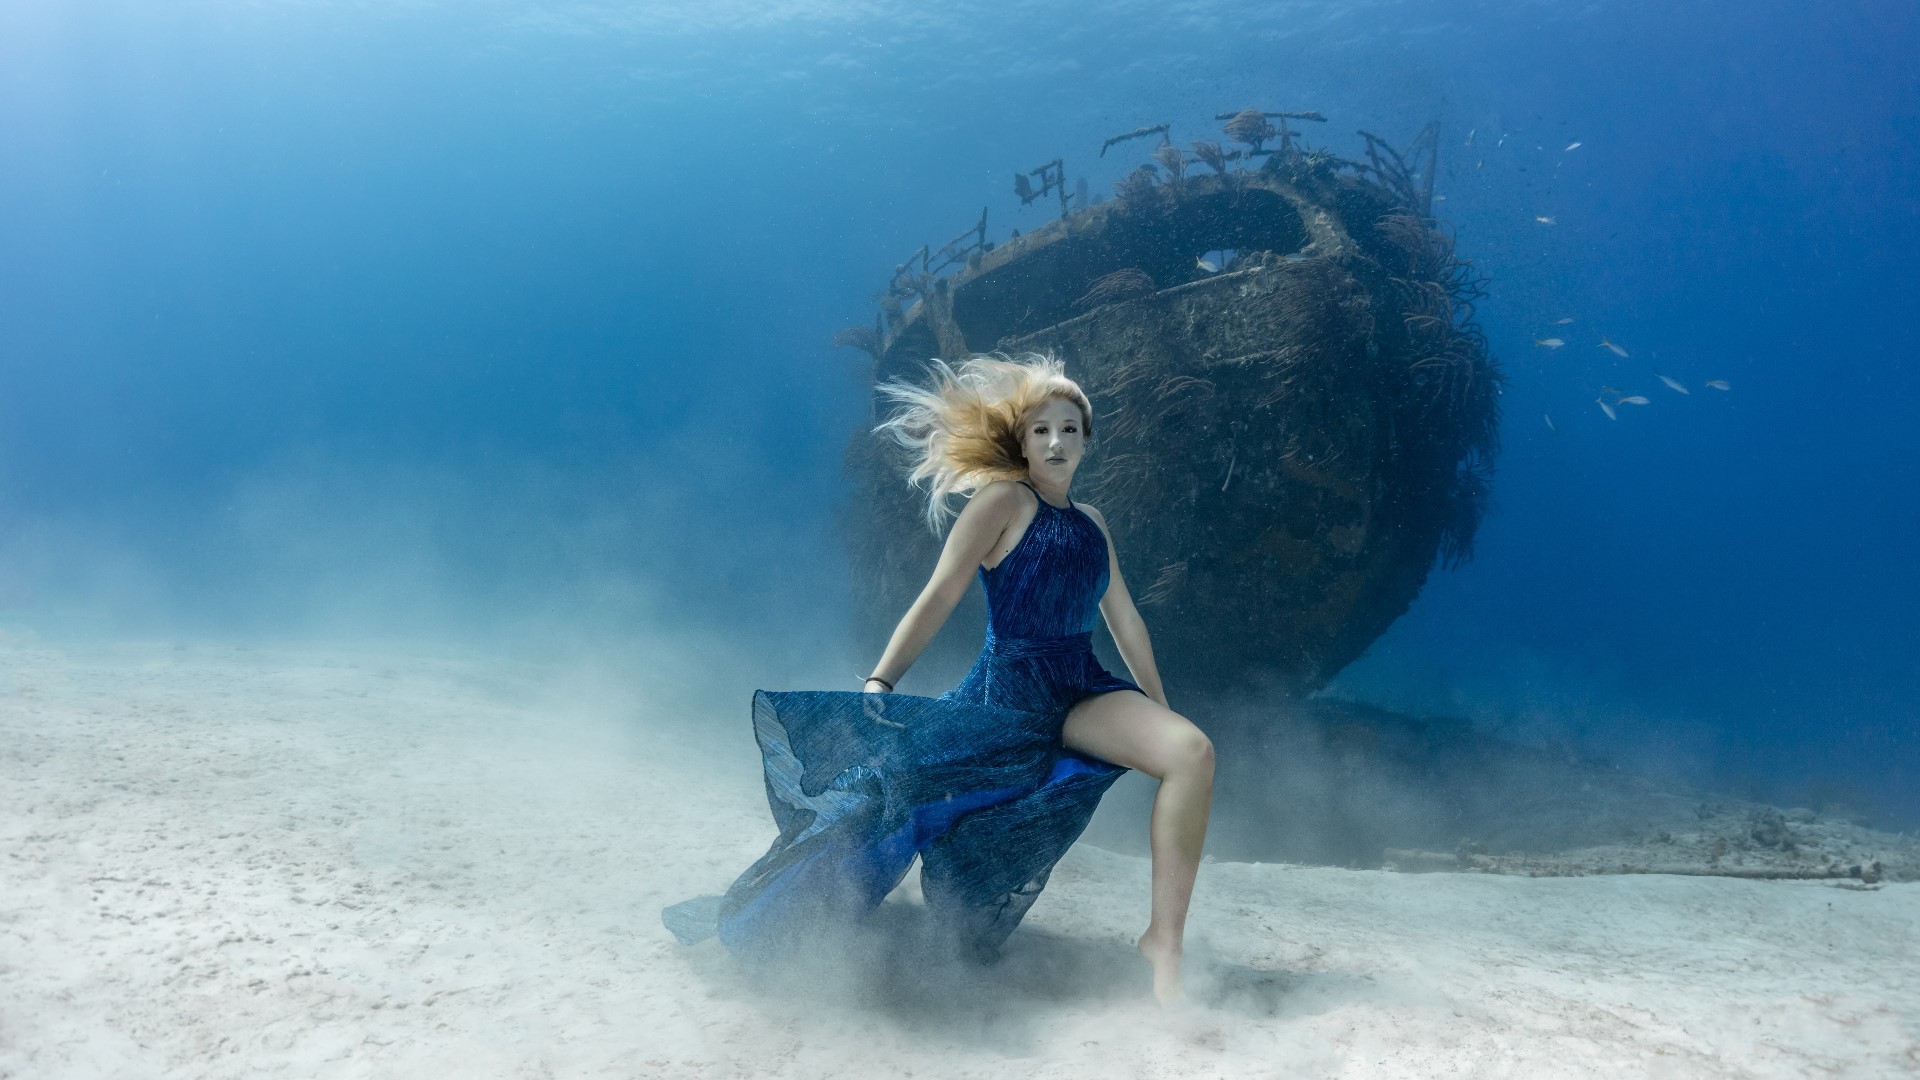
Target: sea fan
(1249,126)
(864,338)
(1171,160)
(1128,284)
(1137,186)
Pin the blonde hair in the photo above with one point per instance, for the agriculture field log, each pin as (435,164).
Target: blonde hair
(963,429)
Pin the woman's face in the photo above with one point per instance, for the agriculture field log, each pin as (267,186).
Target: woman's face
(1053,437)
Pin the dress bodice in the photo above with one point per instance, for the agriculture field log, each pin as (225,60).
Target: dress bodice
(1050,584)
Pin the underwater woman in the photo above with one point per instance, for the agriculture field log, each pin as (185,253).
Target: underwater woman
(990,783)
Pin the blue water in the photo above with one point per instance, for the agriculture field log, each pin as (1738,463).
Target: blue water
(439,317)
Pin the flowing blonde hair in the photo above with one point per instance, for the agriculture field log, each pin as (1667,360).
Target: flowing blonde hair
(963,430)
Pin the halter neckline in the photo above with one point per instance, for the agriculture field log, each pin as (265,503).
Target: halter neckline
(1043,500)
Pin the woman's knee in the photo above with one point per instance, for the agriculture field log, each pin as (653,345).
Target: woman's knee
(1192,750)
(1140,735)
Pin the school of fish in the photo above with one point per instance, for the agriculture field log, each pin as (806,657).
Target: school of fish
(1610,398)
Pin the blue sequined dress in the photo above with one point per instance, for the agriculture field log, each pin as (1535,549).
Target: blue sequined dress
(976,782)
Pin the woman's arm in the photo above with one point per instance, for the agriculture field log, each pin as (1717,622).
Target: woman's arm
(980,524)
(1123,619)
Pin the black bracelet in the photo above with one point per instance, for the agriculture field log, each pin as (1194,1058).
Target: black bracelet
(881,681)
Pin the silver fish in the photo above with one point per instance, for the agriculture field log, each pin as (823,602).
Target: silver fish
(1616,350)
(1571,146)
(1674,383)
(1632,399)
(1720,384)
(1605,408)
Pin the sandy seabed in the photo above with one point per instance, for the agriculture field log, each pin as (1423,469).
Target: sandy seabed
(225,862)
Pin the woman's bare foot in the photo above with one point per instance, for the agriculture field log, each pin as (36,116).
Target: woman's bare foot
(1165,958)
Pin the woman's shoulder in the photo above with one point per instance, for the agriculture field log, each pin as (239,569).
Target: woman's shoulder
(996,500)
(1001,492)
(1098,520)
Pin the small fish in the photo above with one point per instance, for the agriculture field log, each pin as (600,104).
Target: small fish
(1568,321)
(1674,384)
(1205,265)
(1543,219)
(1501,143)
(1610,390)
(1549,421)
(1571,146)
(1617,350)
(1719,384)
(1605,408)
(1549,342)
(1470,132)
(1631,399)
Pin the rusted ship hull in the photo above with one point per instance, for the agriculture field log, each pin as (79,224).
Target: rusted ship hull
(1283,449)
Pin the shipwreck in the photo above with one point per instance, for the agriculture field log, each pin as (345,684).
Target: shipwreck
(1296,415)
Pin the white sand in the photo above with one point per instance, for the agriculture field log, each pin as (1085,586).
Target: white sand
(226,862)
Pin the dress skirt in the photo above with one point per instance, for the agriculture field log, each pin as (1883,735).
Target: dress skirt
(984,792)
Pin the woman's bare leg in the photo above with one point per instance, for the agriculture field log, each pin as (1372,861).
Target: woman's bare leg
(1127,728)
